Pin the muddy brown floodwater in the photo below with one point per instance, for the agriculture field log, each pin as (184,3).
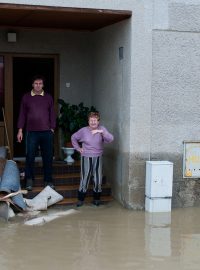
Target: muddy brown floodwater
(104,238)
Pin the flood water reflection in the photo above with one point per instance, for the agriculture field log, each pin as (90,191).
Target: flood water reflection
(108,237)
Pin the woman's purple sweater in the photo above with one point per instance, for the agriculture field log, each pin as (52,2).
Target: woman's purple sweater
(92,144)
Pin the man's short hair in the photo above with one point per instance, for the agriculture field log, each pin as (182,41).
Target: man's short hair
(38,77)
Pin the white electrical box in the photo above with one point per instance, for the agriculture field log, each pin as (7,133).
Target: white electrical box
(159,179)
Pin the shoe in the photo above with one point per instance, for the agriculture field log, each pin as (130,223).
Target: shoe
(50,184)
(29,184)
(96,202)
(80,203)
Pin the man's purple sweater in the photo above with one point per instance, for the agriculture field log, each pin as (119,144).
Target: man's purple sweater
(92,144)
(37,113)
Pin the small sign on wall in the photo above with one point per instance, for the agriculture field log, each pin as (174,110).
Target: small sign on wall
(191,159)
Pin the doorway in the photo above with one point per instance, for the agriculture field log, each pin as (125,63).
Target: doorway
(24,69)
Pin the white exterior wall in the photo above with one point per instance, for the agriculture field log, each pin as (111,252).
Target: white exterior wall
(147,100)
(175,90)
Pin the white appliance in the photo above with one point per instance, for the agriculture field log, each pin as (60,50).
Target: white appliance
(158,188)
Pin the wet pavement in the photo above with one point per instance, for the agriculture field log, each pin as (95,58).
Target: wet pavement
(106,237)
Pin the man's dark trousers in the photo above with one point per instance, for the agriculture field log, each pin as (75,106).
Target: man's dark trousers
(44,140)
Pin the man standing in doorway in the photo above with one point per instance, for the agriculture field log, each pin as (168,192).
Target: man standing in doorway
(37,115)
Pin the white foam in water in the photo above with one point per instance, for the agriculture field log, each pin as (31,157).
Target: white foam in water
(47,218)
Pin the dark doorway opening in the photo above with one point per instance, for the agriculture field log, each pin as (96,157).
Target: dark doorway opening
(24,69)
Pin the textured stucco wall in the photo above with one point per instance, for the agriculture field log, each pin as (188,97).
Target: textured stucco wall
(164,97)
(184,16)
(175,94)
(140,109)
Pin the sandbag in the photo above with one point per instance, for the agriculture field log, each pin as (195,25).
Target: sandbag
(10,182)
(36,205)
(45,198)
(4,210)
(19,201)
(11,213)
(50,194)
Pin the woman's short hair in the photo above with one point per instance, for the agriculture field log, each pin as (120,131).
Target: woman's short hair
(94,114)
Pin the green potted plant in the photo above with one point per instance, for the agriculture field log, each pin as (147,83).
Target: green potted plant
(71,118)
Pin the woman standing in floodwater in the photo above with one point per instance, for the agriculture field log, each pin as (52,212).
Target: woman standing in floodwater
(92,139)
